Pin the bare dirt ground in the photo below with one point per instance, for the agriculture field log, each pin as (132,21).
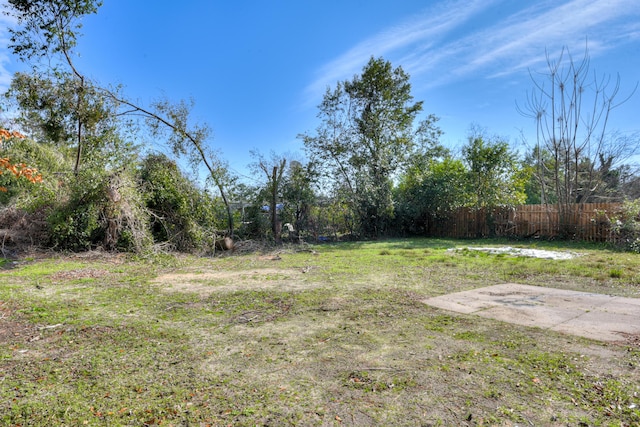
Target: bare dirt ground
(205,283)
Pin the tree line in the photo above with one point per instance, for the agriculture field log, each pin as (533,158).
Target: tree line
(373,167)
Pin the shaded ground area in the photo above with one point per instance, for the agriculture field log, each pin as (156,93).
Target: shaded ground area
(595,316)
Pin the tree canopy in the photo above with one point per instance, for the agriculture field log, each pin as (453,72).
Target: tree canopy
(366,134)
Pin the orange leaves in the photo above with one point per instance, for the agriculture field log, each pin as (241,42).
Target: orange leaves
(20,170)
(5,134)
(17,169)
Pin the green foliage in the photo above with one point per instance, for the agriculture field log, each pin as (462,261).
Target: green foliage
(539,188)
(434,184)
(75,220)
(429,191)
(73,116)
(256,223)
(298,195)
(173,121)
(495,176)
(366,134)
(272,170)
(68,109)
(99,209)
(181,214)
(625,226)
(47,26)
(51,106)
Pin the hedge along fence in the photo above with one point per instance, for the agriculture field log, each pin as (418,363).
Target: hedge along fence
(587,221)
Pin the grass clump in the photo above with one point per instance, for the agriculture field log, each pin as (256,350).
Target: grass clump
(615,273)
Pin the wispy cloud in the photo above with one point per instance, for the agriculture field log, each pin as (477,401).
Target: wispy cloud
(421,32)
(436,43)
(520,41)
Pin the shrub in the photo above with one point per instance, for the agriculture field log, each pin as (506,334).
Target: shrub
(181,215)
(625,227)
(100,209)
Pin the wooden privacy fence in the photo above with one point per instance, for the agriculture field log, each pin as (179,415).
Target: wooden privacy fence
(587,221)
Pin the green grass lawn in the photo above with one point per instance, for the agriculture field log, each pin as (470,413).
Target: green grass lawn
(318,335)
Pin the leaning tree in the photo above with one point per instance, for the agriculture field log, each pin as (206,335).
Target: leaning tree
(49,29)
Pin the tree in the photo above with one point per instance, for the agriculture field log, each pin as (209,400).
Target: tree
(430,190)
(538,191)
(50,28)
(51,109)
(495,178)
(298,194)
(571,109)
(273,171)
(494,173)
(365,136)
(172,121)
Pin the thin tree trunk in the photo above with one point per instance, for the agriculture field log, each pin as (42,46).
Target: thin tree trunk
(274,202)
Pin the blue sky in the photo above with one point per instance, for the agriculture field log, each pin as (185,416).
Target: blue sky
(257,70)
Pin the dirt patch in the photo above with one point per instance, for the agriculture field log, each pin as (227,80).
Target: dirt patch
(82,273)
(207,282)
(11,330)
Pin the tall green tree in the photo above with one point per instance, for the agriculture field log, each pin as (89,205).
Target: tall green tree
(298,194)
(49,29)
(494,173)
(273,171)
(365,136)
(52,111)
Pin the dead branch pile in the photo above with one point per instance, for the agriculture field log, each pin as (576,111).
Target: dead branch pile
(21,230)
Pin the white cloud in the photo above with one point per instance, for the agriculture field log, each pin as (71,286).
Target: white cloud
(520,42)
(423,30)
(436,44)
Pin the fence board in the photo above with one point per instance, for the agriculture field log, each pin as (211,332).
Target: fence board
(582,222)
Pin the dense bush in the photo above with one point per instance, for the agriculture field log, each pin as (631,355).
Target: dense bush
(100,209)
(181,214)
(256,224)
(625,226)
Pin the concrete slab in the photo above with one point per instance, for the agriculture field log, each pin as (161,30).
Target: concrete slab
(595,316)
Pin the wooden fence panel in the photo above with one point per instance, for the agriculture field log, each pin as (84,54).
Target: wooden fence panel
(584,222)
